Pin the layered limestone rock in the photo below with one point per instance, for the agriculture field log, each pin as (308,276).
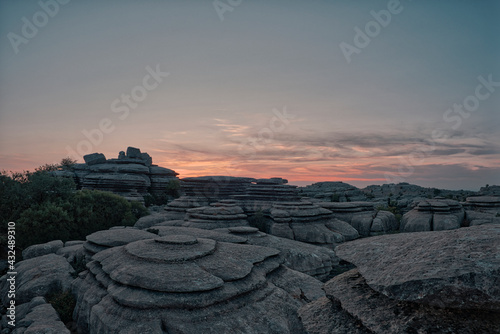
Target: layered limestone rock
(433,215)
(132,175)
(225,213)
(176,210)
(306,222)
(184,284)
(482,210)
(215,187)
(38,277)
(261,194)
(363,217)
(315,261)
(338,191)
(429,282)
(102,240)
(35,316)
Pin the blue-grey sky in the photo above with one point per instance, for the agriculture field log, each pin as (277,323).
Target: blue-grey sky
(257,88)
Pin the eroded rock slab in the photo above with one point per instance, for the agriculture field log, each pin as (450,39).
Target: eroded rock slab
(453,269)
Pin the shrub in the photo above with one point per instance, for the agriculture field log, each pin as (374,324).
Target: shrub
(43,223)
(96,210)
(335,197)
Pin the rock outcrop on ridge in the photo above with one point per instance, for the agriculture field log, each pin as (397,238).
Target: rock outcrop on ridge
(215,187)
(184,284)
(132,175)
(433,215)
(363,217)
(429,282)
(338,191)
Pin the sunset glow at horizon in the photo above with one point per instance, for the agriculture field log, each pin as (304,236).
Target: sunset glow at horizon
(267,89)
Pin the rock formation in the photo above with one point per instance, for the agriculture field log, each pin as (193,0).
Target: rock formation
(318,262)
(36,316)
(315,261)
(482,210)
(433,215)
(363,217)
(215,187)
(261,194)
(430,282)
(132,175)
(338,191)
(101,240)
(225,213)
(183,284)
(306,222)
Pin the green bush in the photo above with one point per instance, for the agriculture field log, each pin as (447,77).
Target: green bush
(95,210)
(43,223)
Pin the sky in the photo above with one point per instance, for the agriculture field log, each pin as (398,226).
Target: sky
(364,92)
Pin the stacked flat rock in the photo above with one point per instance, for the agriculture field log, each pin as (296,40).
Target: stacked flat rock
(430,282)
(178,207)
(225,213)
(433,215)
(327,190)
(215,187)
(363,217)
(102,240)
(261,194)
(132,175)
(161,179)
(302,221)
(482,210)
(183,284)
(312,260)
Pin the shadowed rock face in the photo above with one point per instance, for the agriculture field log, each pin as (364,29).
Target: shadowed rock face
(184,284)
(353,307)
(215,187)
(433,215)
(451,269)
(363,217)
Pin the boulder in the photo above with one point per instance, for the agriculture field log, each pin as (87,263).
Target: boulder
(37,316)
(39,276)
(94,158)
(363,217)
(433,215)
(101,240)
(225,213)
(352,306)
(184,284)
(42,249)
(315,261)
(449,269)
